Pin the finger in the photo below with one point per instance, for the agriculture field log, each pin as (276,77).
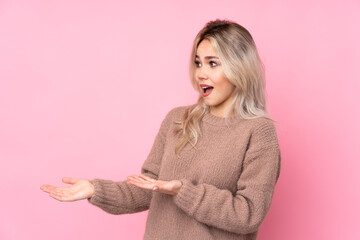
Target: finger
(138,179)
(63,188)
(147,178)
(149,186)
(134,180)
(133,175)
(62,195)
(56,196)
(140,185)
(57,192)
(47,188)
(61,191)
(135,183)
(70,180)
(61,198)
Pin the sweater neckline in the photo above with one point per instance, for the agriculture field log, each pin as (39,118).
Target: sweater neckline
(220,121)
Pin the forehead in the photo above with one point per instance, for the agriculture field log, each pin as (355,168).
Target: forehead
(205,49)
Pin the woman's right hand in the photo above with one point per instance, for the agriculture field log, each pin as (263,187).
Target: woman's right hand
(80,189)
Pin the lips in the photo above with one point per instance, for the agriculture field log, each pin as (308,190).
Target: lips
(207,89)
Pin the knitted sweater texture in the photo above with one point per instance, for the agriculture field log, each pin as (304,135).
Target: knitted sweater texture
(228,181)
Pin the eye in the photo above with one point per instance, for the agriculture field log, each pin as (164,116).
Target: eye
(213,64)
(197,63)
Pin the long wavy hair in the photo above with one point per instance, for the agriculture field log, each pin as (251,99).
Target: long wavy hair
(242,66)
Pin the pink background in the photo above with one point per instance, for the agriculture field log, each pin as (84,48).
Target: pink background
(84,86)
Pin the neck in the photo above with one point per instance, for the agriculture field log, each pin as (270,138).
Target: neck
(222,114)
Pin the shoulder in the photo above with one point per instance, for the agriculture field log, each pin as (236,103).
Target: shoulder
(261,124)
(263,132)
(176,113)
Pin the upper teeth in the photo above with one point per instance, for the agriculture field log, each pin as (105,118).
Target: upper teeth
(204,87)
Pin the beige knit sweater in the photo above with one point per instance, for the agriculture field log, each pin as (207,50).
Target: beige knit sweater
(228,181)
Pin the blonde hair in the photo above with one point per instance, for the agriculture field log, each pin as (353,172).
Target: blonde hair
(242,66)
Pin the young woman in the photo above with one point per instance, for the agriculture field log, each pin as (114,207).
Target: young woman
(212,170)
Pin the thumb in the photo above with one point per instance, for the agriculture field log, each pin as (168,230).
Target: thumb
(69,180)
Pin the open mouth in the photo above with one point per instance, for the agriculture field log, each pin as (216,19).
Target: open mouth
(206,90)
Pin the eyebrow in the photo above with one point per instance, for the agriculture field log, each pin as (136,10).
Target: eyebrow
(207,57)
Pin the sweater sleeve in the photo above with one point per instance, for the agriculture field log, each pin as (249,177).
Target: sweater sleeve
(243,212)
(122,197)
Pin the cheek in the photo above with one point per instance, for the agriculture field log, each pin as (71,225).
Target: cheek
(226,86)
(196,84)
(228,90)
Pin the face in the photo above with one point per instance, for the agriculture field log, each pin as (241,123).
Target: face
(214,87)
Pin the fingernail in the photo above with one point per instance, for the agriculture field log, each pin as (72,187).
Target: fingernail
(155,188)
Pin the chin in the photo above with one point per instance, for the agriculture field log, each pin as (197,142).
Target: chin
(210,104)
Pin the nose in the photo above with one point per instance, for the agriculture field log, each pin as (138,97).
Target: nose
(201,73)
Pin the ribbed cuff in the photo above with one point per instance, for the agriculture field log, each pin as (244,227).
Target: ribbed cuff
(94,199)
(104,192)
(189,197)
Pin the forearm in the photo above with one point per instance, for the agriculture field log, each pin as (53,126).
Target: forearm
(241,212)
(219,208)
(119,197)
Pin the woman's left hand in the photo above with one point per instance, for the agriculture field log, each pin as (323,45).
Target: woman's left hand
(167,187)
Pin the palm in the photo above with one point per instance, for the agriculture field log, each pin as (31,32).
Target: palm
(80,189)
(167,187)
